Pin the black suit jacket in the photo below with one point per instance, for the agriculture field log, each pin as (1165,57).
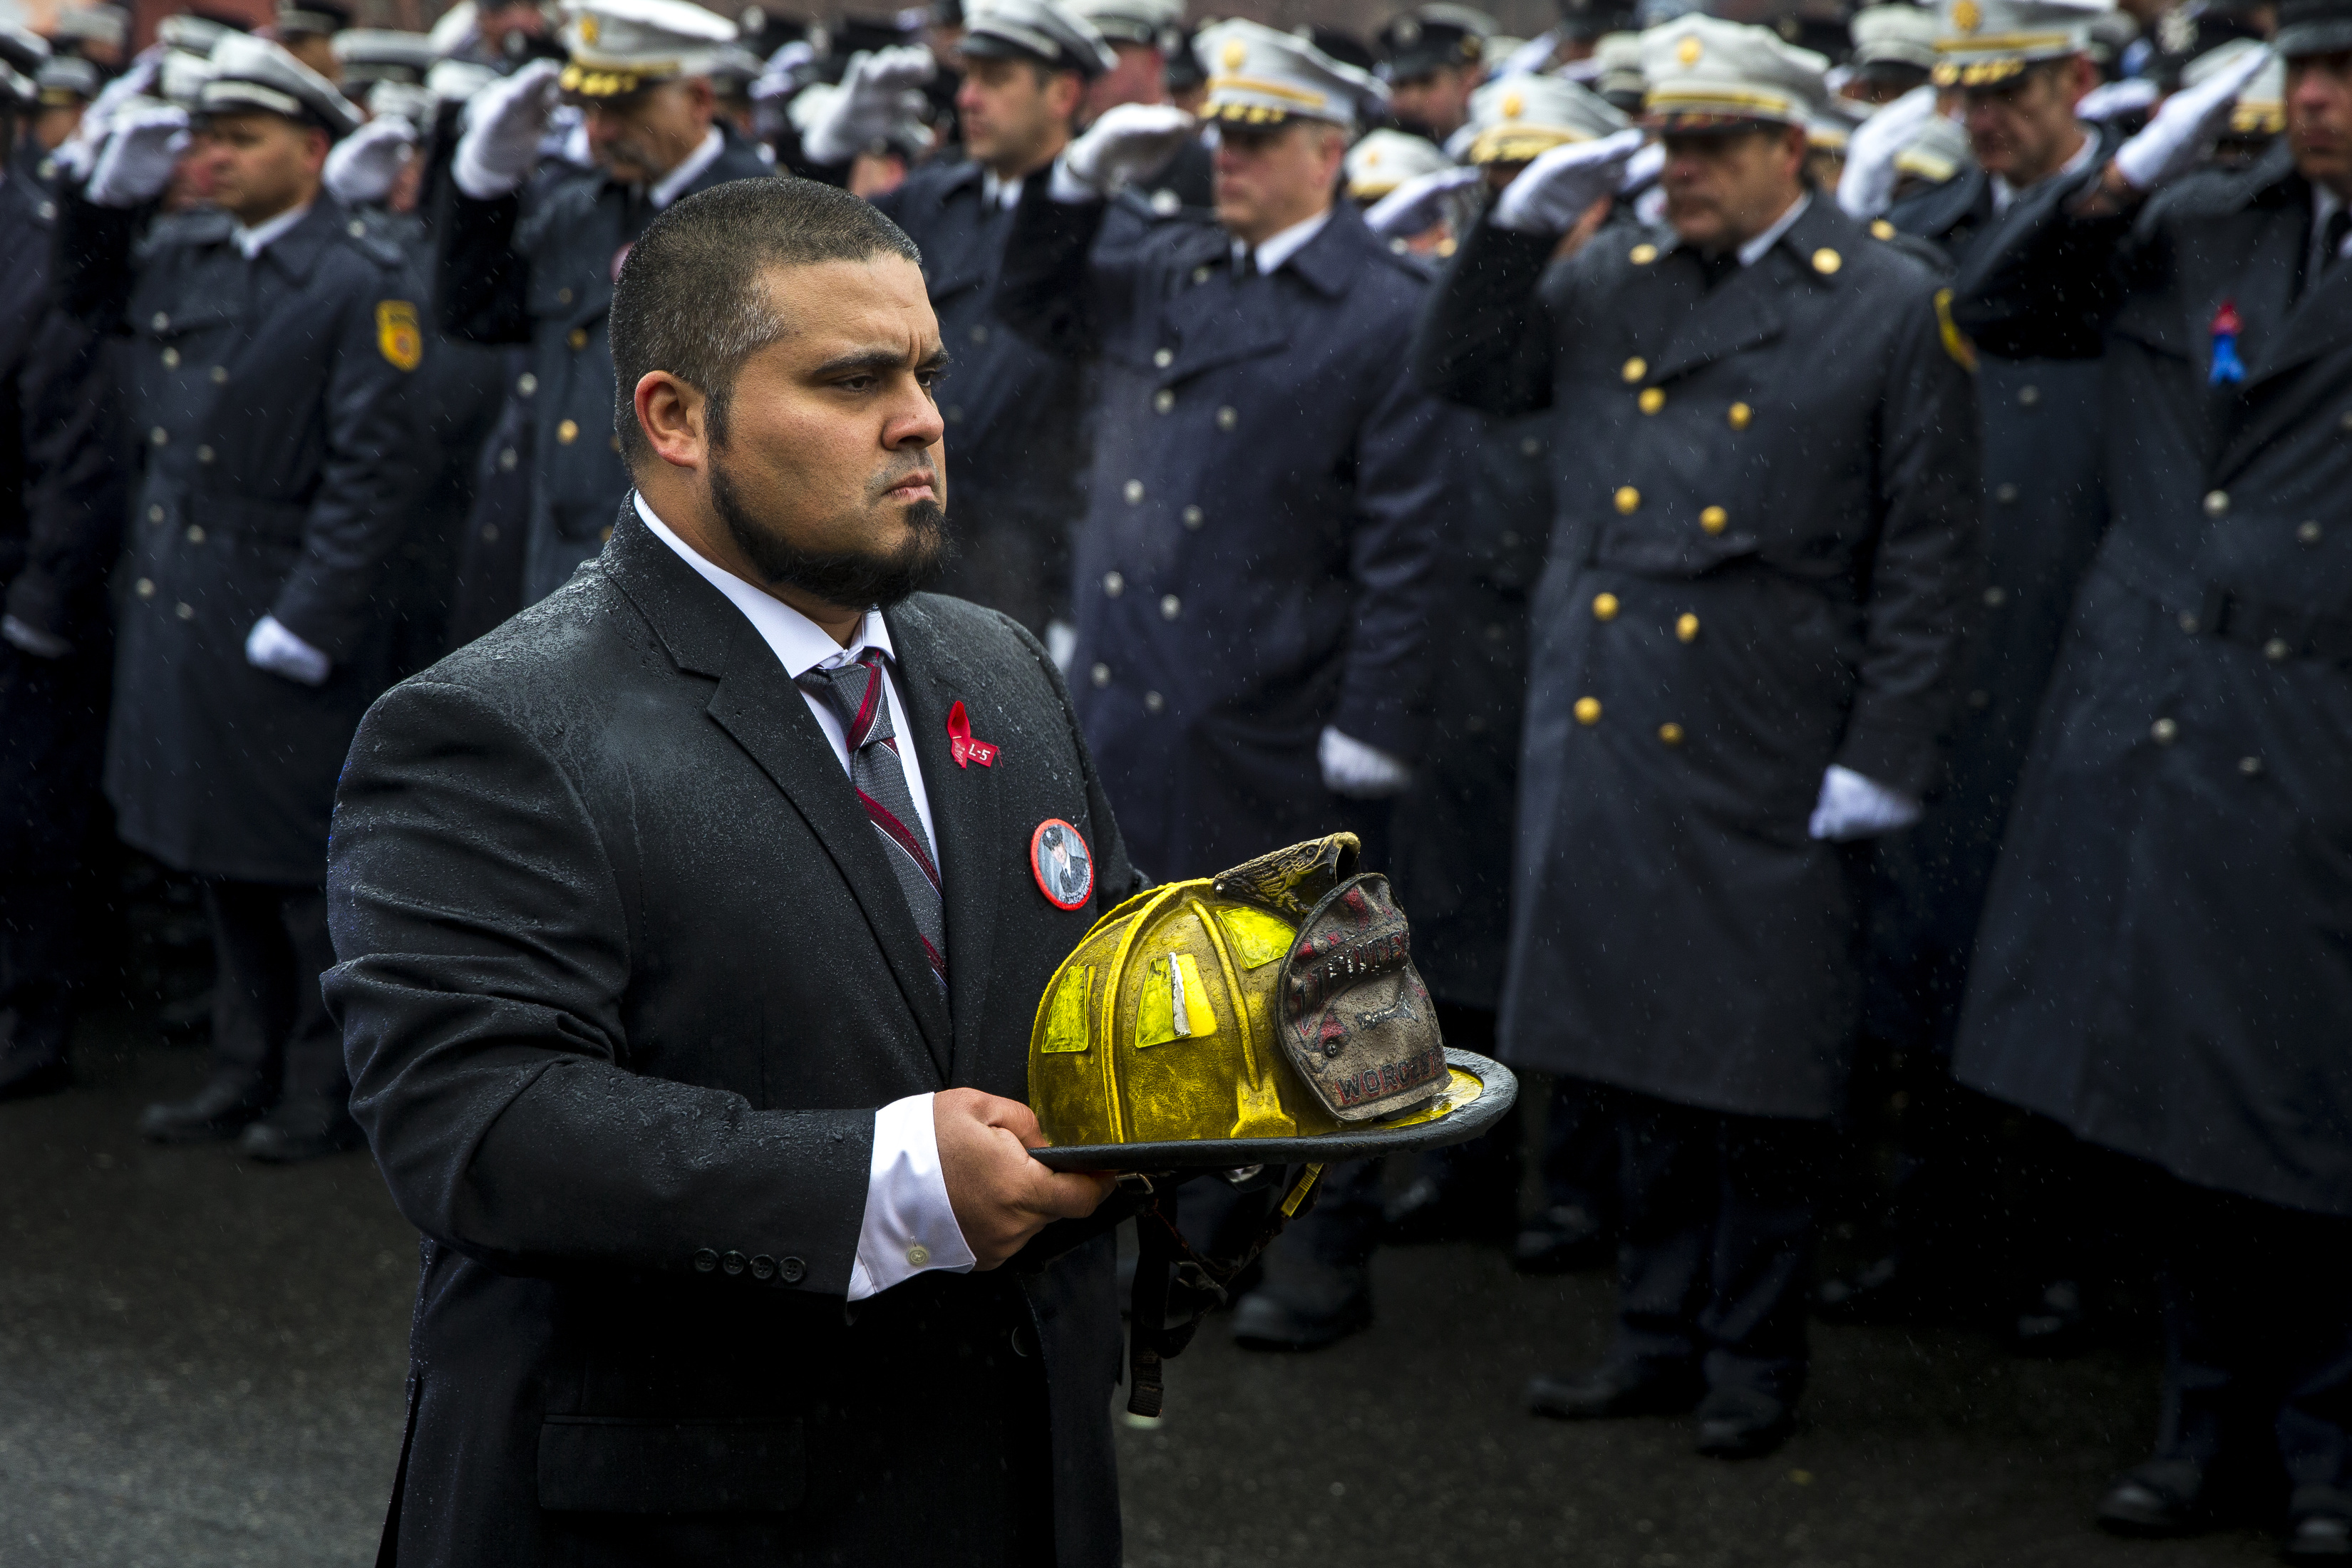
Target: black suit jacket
(624,976)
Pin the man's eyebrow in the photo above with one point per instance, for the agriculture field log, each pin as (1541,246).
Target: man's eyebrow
(876,361)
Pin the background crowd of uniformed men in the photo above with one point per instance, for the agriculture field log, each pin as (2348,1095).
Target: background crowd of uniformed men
(1918,643)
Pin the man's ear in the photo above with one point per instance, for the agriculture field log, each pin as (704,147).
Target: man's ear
(701,100)
(672,413)
(1065,92)
(315,145)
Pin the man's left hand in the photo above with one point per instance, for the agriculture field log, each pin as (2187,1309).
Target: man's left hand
(1852,807)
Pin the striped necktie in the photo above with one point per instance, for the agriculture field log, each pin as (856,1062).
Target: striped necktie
(855,693)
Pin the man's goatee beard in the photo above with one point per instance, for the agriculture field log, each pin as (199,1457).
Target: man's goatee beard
(852,579)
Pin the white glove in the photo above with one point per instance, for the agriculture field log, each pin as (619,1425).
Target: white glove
(78,154)
(361,167)
(1642,169)
(2115,99)
(872,102)
(503,126)
(1867,187)
(136,162)
(1552,192)
(271,646)
(32,639)
(1127,144)
(1418,202)
(1852,807)
(1356,771)
(2176,139)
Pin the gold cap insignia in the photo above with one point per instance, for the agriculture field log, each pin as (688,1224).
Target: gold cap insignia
(1967,16)
(1512,104)
(588,29)
(1235,53)
(1689,49)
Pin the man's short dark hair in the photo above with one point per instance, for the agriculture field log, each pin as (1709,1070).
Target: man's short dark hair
(689,300)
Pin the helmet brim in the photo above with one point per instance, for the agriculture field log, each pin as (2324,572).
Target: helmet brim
(1459,1116)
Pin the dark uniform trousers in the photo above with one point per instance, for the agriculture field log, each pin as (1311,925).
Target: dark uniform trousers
(276,407)
(1759,566)
(2161,967)
(60,523)
(537,267)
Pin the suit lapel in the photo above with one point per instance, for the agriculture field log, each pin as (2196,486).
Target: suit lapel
(765,714)
(1738,314)
(972,842)
(2287,333)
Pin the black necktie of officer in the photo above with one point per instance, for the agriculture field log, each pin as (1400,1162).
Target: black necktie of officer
(857,694)
(2332,238)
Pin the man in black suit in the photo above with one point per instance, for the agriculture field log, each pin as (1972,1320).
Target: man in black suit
(691,943)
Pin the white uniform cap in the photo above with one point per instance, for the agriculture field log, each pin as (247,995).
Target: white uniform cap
(1894,34)
(1385,159)
(620,45)
(1981,43)
(1261,77)
(1520,116)
(1705,74)
(253,73)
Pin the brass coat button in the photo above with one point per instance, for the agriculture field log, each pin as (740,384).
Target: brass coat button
(1715,519)
(1588,710)
(2188,622)
(1627,499)
(1529,446)
(1228,419)
(1199,276)
(1651,400)
(1881,229)
(159,436)
(508,457)
(578,338)
(1643,255)
(1164,401)
(2216,502)
(2250,766)
(1604,607)
(1099,675)
(2005,493)
(1114,584)
(2163,732)
(1636,368)
(187,612)
(2306,532)
(2027,396)
(1192,517)
(1153,702)
(526,384)
(1671,734)
(220,376)
(1163,358)
(1741,414)
(979,335)
(568,432)
(1995,597)
(145,587)
(204,454)
(1687,627)
(563,296)
(1826,261)
(2277,650)
(171,359)
(1133,491)
(195,534)
(1171,607)
(160,322)
(155,514)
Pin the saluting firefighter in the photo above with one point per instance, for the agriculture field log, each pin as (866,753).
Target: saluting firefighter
(1015,421)
(2162,966)
(271,379)
(529,256)
(2018,68)
(1255,581)
(1744,651)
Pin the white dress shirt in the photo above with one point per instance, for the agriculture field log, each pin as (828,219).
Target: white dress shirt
(667,189)
(909,1226)
(999,192)
(252,242)
(1753,251)
(1276,249)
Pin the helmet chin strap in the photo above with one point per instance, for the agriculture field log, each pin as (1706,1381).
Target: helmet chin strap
(1170,1276)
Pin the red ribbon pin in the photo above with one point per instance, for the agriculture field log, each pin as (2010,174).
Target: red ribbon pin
(960,745)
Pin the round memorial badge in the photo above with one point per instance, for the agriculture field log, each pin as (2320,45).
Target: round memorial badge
(1063,865)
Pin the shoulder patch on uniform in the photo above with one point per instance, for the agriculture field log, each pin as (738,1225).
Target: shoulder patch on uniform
(398,335)
(1956,343)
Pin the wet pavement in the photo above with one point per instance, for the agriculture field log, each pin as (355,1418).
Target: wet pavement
(201,1363)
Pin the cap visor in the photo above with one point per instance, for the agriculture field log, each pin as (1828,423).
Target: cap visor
(2326,38)
(1478,1094)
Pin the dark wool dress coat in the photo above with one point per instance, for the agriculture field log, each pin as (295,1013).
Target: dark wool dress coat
(624,975)
(1763,544)
(2166,960)
(279,431)
(1268,492)
(2044,508)
(538,267)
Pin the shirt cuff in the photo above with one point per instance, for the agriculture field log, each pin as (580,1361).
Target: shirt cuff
(909,1226)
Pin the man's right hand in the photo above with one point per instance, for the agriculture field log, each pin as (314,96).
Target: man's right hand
(136,161)
(1128,142)
(503,126)
(2175,139)
(1554,190)
(1000,1196)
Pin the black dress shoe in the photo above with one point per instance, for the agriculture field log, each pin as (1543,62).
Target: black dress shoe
(26,1074)
(1743,1426)
(2319,1538)
(1613,1389)
(217,1110)
(1563,1239)
(1426,1212)
(2058,1322)
(301,1129)
(2160,1498)
(1304,1306)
